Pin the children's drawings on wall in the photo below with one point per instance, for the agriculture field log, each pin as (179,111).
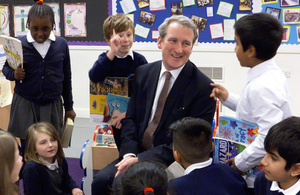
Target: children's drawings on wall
(4,20)
(75,19)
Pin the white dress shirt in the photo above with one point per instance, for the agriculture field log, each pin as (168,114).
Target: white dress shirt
(198,166)
(42,48)
(265,101)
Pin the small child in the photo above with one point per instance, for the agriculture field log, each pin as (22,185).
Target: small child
(265,99)
(144,178)
(282,162)
(44,79)
(46,169)
(10,164)
(120,60)
(192,145)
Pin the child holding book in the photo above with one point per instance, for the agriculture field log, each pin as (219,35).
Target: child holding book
(120,60)
(44,77)
(46,169)
(281,164)
(192,145)
(265,99)
(10,164)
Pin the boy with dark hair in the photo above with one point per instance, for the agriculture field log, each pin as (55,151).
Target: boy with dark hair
(120,60)
(192,144)
(265,100)
(282,162)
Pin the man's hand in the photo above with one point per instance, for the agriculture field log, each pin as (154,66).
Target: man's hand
(231,160)
(117,119)
(19,73)
(70,114)
(115,44)
(125,163)
(219,92)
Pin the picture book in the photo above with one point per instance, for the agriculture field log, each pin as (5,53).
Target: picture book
(13,50)
(103,135)
(99,91)
(67,133)
(115,104)
(237,130)
(225,149)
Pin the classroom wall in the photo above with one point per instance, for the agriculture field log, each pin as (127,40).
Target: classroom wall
(83,57)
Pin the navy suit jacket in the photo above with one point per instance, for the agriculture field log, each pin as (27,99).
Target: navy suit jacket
(189,96)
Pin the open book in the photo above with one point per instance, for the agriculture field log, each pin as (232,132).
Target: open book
(13,50)
(67,133)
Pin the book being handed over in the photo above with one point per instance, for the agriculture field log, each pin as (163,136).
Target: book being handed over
(13,50)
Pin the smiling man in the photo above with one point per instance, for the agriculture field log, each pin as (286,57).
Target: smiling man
(144,133)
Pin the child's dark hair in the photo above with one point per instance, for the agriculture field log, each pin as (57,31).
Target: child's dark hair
(263,31)
(145,178)
(40,10)
(192,138)
(284,137)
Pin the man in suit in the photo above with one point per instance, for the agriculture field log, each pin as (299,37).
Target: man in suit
(188,95)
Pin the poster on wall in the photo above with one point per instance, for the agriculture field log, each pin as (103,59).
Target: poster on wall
(20,19)
(55,7)
(4,20)
(75,19)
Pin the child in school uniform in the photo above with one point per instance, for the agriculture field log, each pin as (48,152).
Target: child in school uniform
(43,79)
(10,164)
(46,169)
(265,99)
(281,164)
(192,145)
(144,178)
(120,60)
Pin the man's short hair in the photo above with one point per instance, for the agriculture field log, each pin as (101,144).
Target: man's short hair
(284,137)
(120,22)
(192,138)
(263,31)
(183,20)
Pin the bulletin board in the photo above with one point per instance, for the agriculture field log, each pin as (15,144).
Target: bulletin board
(96,12)
(284,7)
(199,9)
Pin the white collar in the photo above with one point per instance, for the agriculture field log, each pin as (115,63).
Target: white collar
(31,40)
(130,53)
(260,69)
(198,166)
(293,190)
(174,73)
(51,166)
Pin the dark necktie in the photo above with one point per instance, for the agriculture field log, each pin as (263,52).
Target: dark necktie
(147,139)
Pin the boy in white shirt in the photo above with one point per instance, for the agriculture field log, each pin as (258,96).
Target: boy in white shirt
(282,163)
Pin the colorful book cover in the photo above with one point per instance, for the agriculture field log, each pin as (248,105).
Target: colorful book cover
(99,91)
(237,130)
(225,149)
(115,104)
(13,50)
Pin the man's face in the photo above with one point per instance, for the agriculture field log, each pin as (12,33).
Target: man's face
(176,46)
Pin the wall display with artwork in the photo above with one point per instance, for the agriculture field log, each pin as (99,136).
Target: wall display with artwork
(79,22)
(210,16)
(288,12)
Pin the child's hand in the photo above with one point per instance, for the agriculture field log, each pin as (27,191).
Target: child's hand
(19,73)
(117,119)
(77,191)
(70,114)
(219,92)
(115,44)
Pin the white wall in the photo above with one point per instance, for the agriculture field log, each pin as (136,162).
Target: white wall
(83,57)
